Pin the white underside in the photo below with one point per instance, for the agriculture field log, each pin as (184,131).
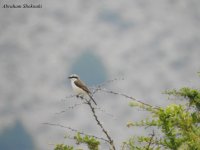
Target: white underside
(77,90)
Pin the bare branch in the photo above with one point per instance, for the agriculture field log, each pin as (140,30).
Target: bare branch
(126,96)
(101,126)
(70,96)
(78,104)
(75,130)
(104,111)
(105,83)
(70,107)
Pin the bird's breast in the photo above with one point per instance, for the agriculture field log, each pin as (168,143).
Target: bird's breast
(76,89)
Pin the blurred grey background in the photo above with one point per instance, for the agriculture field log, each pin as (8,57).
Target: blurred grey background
(153,45)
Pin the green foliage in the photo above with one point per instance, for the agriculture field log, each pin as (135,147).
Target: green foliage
(130,144)
(91,142)
(178,125)
(192,94)
(174,127)
(63,147)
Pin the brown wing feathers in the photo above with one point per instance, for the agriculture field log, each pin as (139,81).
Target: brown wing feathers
(82,86)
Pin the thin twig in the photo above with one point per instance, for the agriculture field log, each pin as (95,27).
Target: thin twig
(75,130)
(78,104)
(70,96)
(151,139)
(104,84)
(101,126)
(70,107)
(126,96)
(104,111)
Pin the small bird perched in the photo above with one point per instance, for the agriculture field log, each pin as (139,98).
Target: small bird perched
(79,87)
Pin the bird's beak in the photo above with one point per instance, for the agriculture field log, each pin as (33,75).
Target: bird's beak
(69,77)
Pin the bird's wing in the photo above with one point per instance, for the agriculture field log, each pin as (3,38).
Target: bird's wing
(82,86)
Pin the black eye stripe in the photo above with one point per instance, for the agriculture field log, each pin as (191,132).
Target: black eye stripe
(74,77)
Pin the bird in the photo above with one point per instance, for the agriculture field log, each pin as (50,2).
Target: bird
(79,87)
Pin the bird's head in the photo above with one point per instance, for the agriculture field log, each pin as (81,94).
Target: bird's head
(73,77)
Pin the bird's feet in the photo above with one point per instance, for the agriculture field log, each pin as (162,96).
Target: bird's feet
(79,96)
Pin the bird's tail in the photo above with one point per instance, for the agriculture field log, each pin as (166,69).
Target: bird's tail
(92,99)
